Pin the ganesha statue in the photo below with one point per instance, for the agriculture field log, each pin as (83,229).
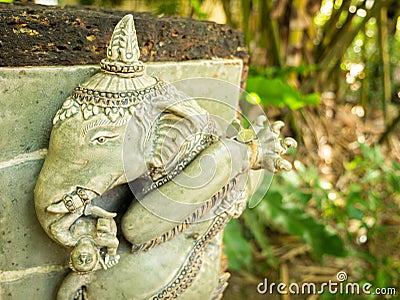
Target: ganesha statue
(187,180)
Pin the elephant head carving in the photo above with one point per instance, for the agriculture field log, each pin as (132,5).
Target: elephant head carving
(123,125)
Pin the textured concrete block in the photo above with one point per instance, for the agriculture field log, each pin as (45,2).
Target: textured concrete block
(29,99)
(35,286)
(23,241)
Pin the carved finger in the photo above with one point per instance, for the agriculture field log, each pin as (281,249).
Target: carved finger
(258,124)
(260,120)
(282,164)
(280,147)
(277,126)
(289,143)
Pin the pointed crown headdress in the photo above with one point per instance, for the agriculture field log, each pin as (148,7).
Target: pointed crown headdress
(131,85)
(123,51)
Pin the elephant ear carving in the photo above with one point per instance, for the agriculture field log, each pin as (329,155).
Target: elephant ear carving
(179,134)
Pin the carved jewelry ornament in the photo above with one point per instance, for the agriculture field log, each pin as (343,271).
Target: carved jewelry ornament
(123,126)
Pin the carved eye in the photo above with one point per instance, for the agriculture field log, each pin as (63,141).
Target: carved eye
(102,139)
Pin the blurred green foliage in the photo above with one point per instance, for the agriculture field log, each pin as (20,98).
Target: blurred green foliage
(349,215)
(270,86)
(266,91)
(283,208)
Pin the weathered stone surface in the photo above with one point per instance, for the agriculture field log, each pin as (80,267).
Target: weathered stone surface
(34,35)
(35,286)
(23,242)
(29,99)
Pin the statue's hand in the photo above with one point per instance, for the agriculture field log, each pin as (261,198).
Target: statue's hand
(270,146)
(266,145)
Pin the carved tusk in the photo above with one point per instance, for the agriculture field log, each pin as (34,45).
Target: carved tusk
(98,211)
(57,208)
